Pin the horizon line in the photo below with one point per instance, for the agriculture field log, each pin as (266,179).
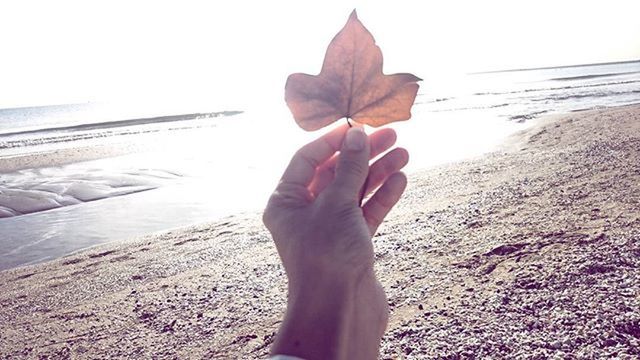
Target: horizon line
(554,67)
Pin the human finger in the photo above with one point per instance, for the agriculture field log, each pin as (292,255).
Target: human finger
(380,141)
(390,163)
(302,167)
(379,205)
(352,167)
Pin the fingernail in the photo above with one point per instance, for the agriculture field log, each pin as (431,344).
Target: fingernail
(355,139)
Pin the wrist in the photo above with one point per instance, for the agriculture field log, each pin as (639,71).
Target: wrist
(333,317)
(318,319)
(317,272)
(321,280)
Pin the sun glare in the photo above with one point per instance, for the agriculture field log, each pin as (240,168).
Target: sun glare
(239,52)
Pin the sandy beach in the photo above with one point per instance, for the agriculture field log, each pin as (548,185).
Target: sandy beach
(532,251)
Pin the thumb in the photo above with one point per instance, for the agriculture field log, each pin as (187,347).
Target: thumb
(353,164)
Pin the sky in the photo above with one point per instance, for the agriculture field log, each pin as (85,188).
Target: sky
(226,53)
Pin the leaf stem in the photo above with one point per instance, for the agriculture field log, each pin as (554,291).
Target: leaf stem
(348,123)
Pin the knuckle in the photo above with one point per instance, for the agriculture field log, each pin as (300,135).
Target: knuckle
(385,200)
(375,217)
(341,195)
(266,217)
(269,216)
(355,167)
(373,221)
(390,166)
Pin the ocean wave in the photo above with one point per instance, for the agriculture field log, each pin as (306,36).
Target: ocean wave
(492,106)
(561,97)
(99,130)
(568,87)
(62,138)
(524,117)
(593,76)
(434,100)
(124,123)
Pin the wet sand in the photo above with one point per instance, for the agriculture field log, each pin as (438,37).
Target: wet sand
(25,188)
(40,189)
(529,252)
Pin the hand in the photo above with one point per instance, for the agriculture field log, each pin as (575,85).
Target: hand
(323,236)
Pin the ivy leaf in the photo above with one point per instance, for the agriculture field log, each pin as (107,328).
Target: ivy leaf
(351,84)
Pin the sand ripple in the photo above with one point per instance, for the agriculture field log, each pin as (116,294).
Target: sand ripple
(35,190)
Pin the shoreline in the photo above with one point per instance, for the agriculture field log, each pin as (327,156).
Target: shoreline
(118,143)
(528,251)
(126,123)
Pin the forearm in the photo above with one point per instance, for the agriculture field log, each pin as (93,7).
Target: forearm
(338,317)
(318,321)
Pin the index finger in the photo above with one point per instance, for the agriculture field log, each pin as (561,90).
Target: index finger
(302,167)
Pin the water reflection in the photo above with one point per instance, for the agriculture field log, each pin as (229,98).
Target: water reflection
(47,235)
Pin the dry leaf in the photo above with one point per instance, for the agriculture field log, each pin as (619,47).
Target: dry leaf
(351,84)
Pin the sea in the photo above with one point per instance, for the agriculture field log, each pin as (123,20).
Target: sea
(160,167)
